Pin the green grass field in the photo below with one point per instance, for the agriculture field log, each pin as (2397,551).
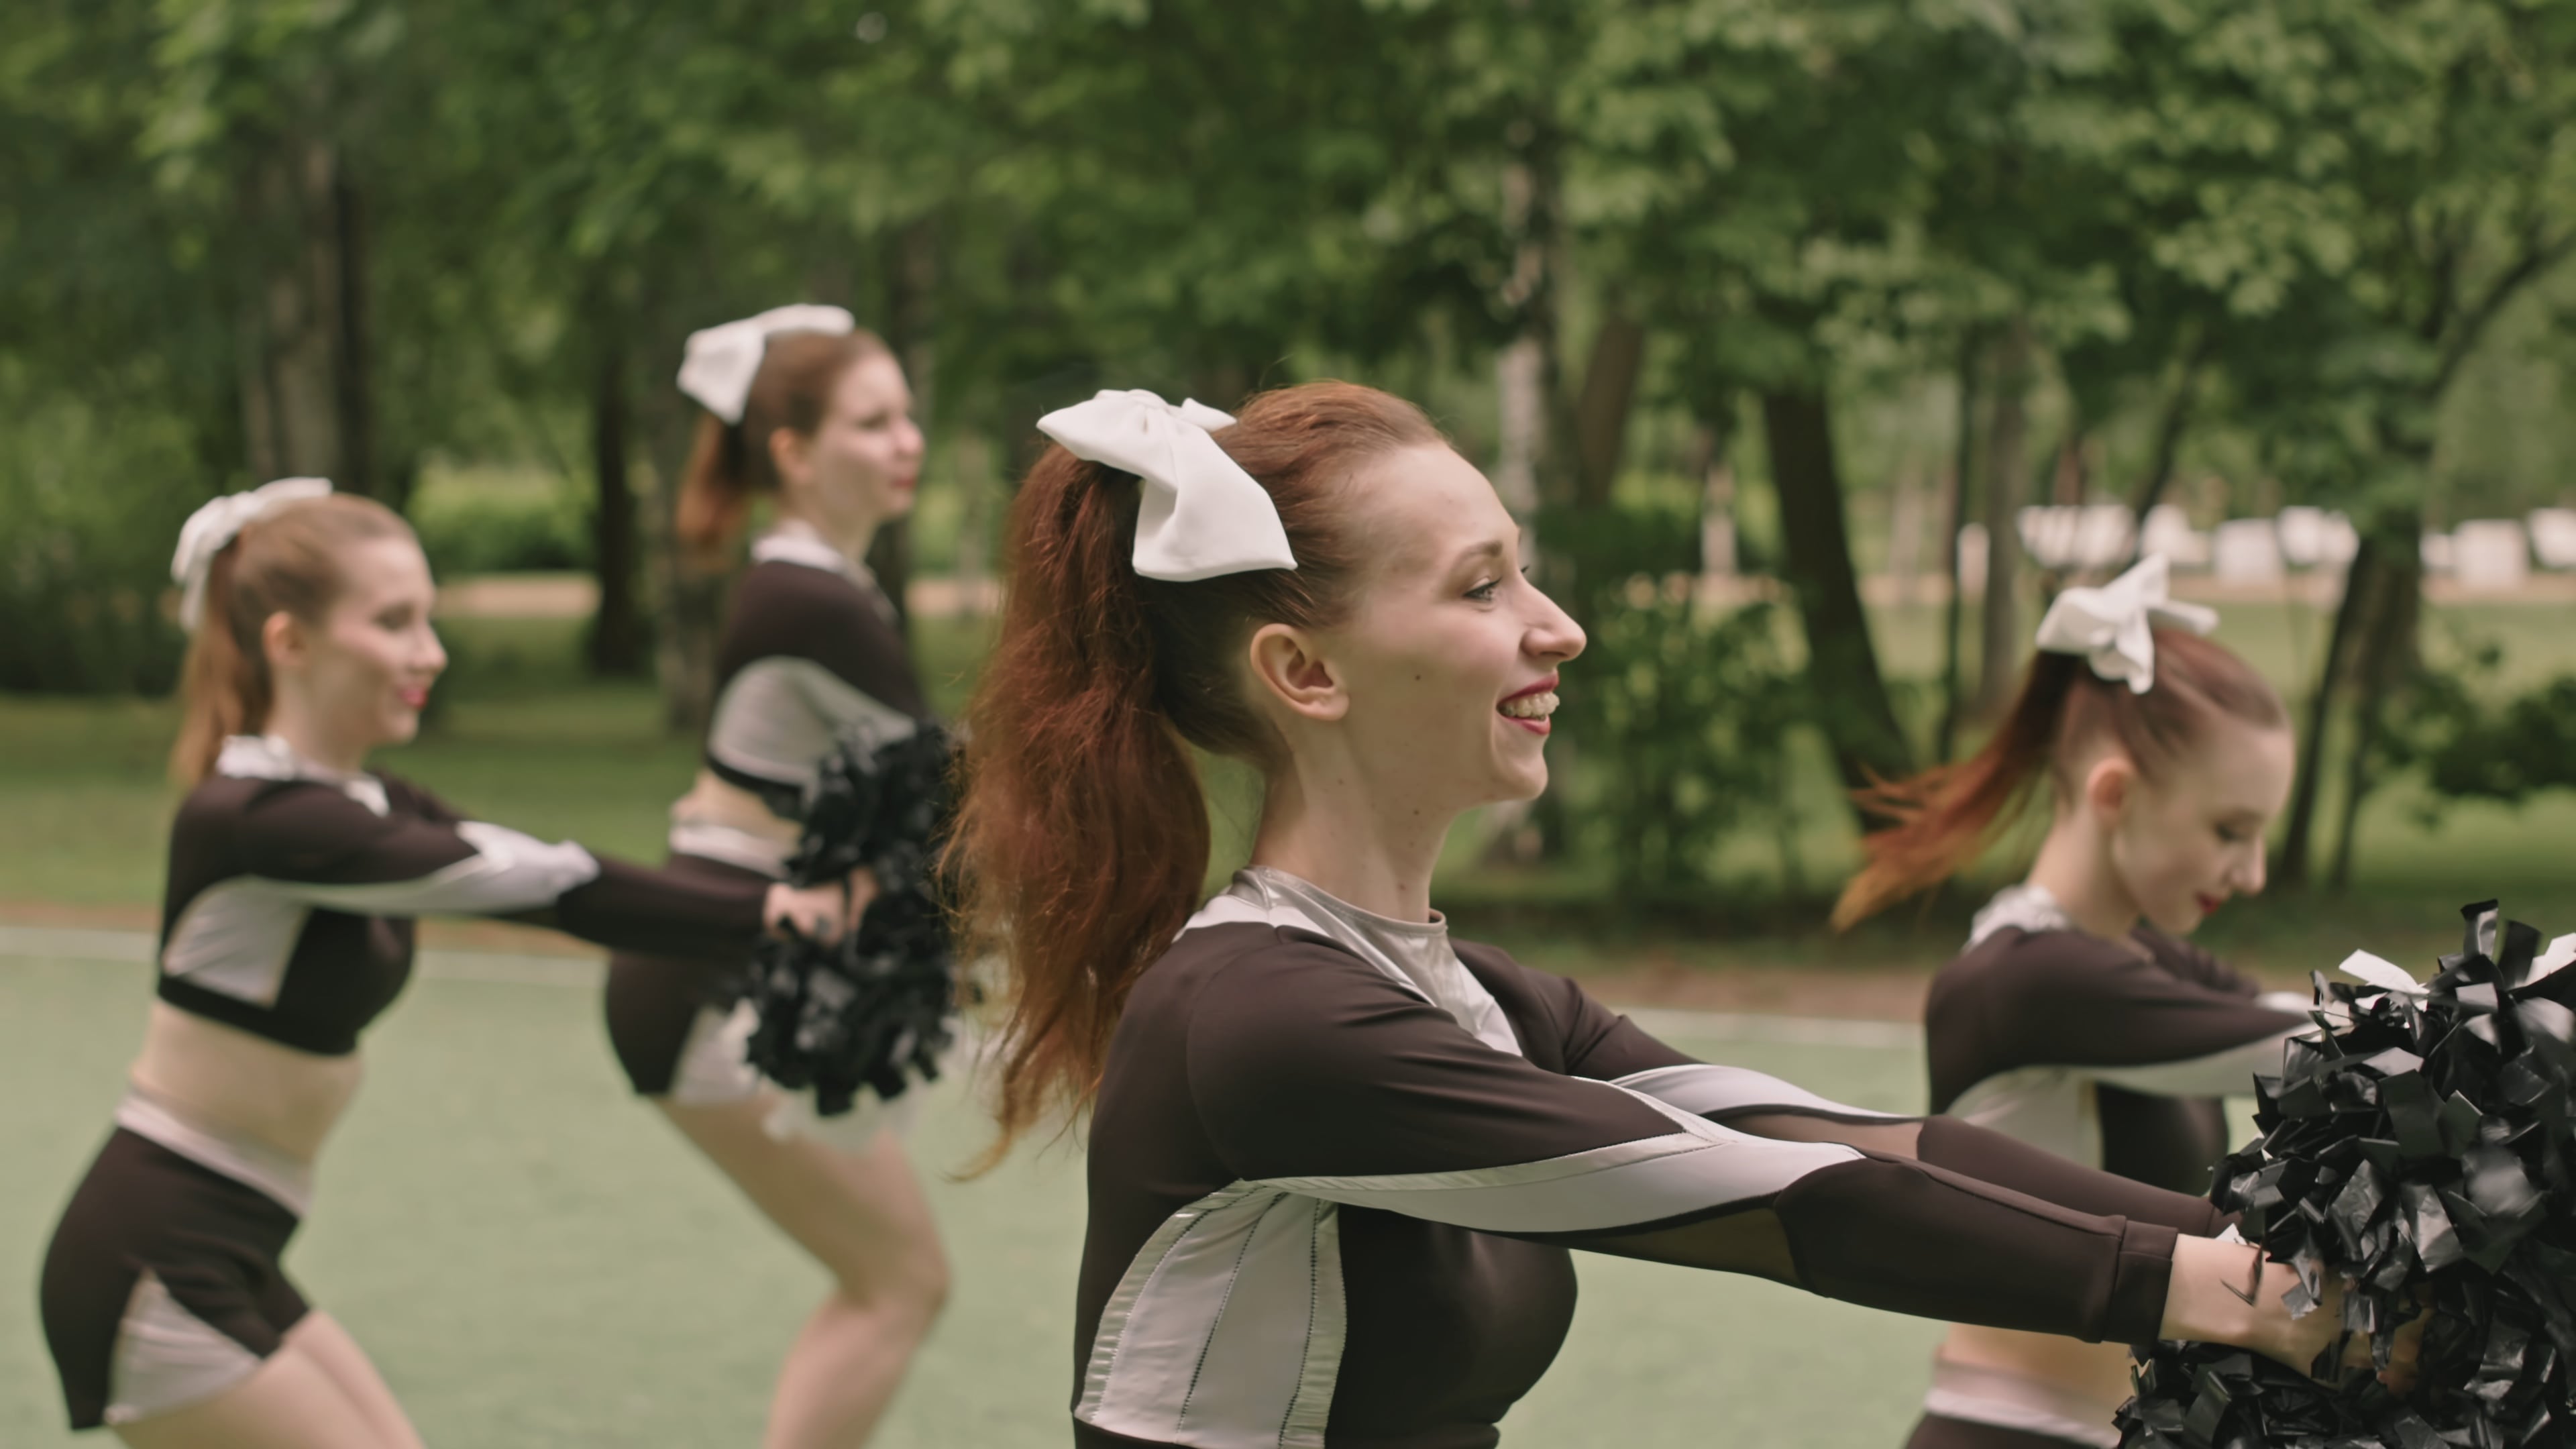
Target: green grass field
(536,1260)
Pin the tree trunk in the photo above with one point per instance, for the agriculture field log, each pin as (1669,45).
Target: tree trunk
(911,261)
(353,367)
(2007,480)
(2389,563)
(617,628)
(1842,663)
(1520,423)
(1904,569)
(2385,663)
(971,465)
(2290,863)
(302,348)
(2171,426)
(2074,476)
(687,603)
(1963,466)
(1601,412)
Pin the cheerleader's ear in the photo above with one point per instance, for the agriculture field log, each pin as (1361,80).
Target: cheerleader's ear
(1292,669)
(2111,787)
(285,641)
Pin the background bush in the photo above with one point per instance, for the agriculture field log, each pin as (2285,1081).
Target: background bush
(501,520)
(90,508)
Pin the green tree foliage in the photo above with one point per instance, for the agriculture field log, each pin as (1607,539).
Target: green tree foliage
(255,236)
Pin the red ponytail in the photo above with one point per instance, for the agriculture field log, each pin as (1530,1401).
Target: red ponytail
(1082,839)
(1947,816)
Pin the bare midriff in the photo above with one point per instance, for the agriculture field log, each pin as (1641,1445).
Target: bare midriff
(714,800)
(242,1087)
(2098,1371)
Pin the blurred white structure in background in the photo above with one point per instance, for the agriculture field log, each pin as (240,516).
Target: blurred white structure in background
(2553,537)
(2169,532)
(2483,555)
(2246,551)
(2312,538)
(2490,554)
(2093,537)
(1972,558)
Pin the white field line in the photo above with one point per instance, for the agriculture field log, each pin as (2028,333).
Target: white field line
(46,943)
(49,943)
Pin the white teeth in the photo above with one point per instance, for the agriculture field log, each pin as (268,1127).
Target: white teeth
(1531,706)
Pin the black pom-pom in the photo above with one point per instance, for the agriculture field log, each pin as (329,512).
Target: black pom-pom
(2419,1152)
(873,1012)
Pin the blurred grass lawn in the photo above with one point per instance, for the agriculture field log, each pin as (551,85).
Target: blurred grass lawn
(535,1260)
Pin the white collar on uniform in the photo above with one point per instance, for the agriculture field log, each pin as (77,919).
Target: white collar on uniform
(793,540)
(268,757)
(2022,907)
(1415,954)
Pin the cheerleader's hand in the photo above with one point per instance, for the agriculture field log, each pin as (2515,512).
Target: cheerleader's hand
(857,893)
(2404,1355)
(2305,1341)
(813,913)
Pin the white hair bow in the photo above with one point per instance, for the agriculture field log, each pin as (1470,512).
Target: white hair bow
(2113,625)
(721,361)
(219,523)
(1203,516)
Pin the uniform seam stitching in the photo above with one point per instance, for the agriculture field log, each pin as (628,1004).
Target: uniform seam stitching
(1314,1293)
(1234,1275)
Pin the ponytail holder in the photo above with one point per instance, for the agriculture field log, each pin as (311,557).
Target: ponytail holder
(721,361)
(211,528)
(1203,516)
(2113,626)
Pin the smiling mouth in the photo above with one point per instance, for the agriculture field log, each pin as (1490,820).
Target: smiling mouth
(2210,904)
(1531,707)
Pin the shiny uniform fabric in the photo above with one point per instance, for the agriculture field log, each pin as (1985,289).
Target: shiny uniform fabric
(291,893)
(2097,1053)
(1336,1163)
(2093,1051)
(811,655)
(291,889)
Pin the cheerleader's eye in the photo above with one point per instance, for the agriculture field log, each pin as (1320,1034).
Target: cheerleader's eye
(1484,593)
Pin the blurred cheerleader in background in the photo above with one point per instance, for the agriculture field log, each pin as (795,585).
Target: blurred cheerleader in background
(804,410)
(286,929)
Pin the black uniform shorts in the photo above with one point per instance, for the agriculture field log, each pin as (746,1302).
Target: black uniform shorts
(666,1013)
(162,1286)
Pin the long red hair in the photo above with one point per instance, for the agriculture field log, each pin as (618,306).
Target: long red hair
(1081,842)
(1946,817)
(287,562)
(730,464)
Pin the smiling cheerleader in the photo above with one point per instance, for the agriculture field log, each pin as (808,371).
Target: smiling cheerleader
(2078,1019)
(287,929)
(1337,1157)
